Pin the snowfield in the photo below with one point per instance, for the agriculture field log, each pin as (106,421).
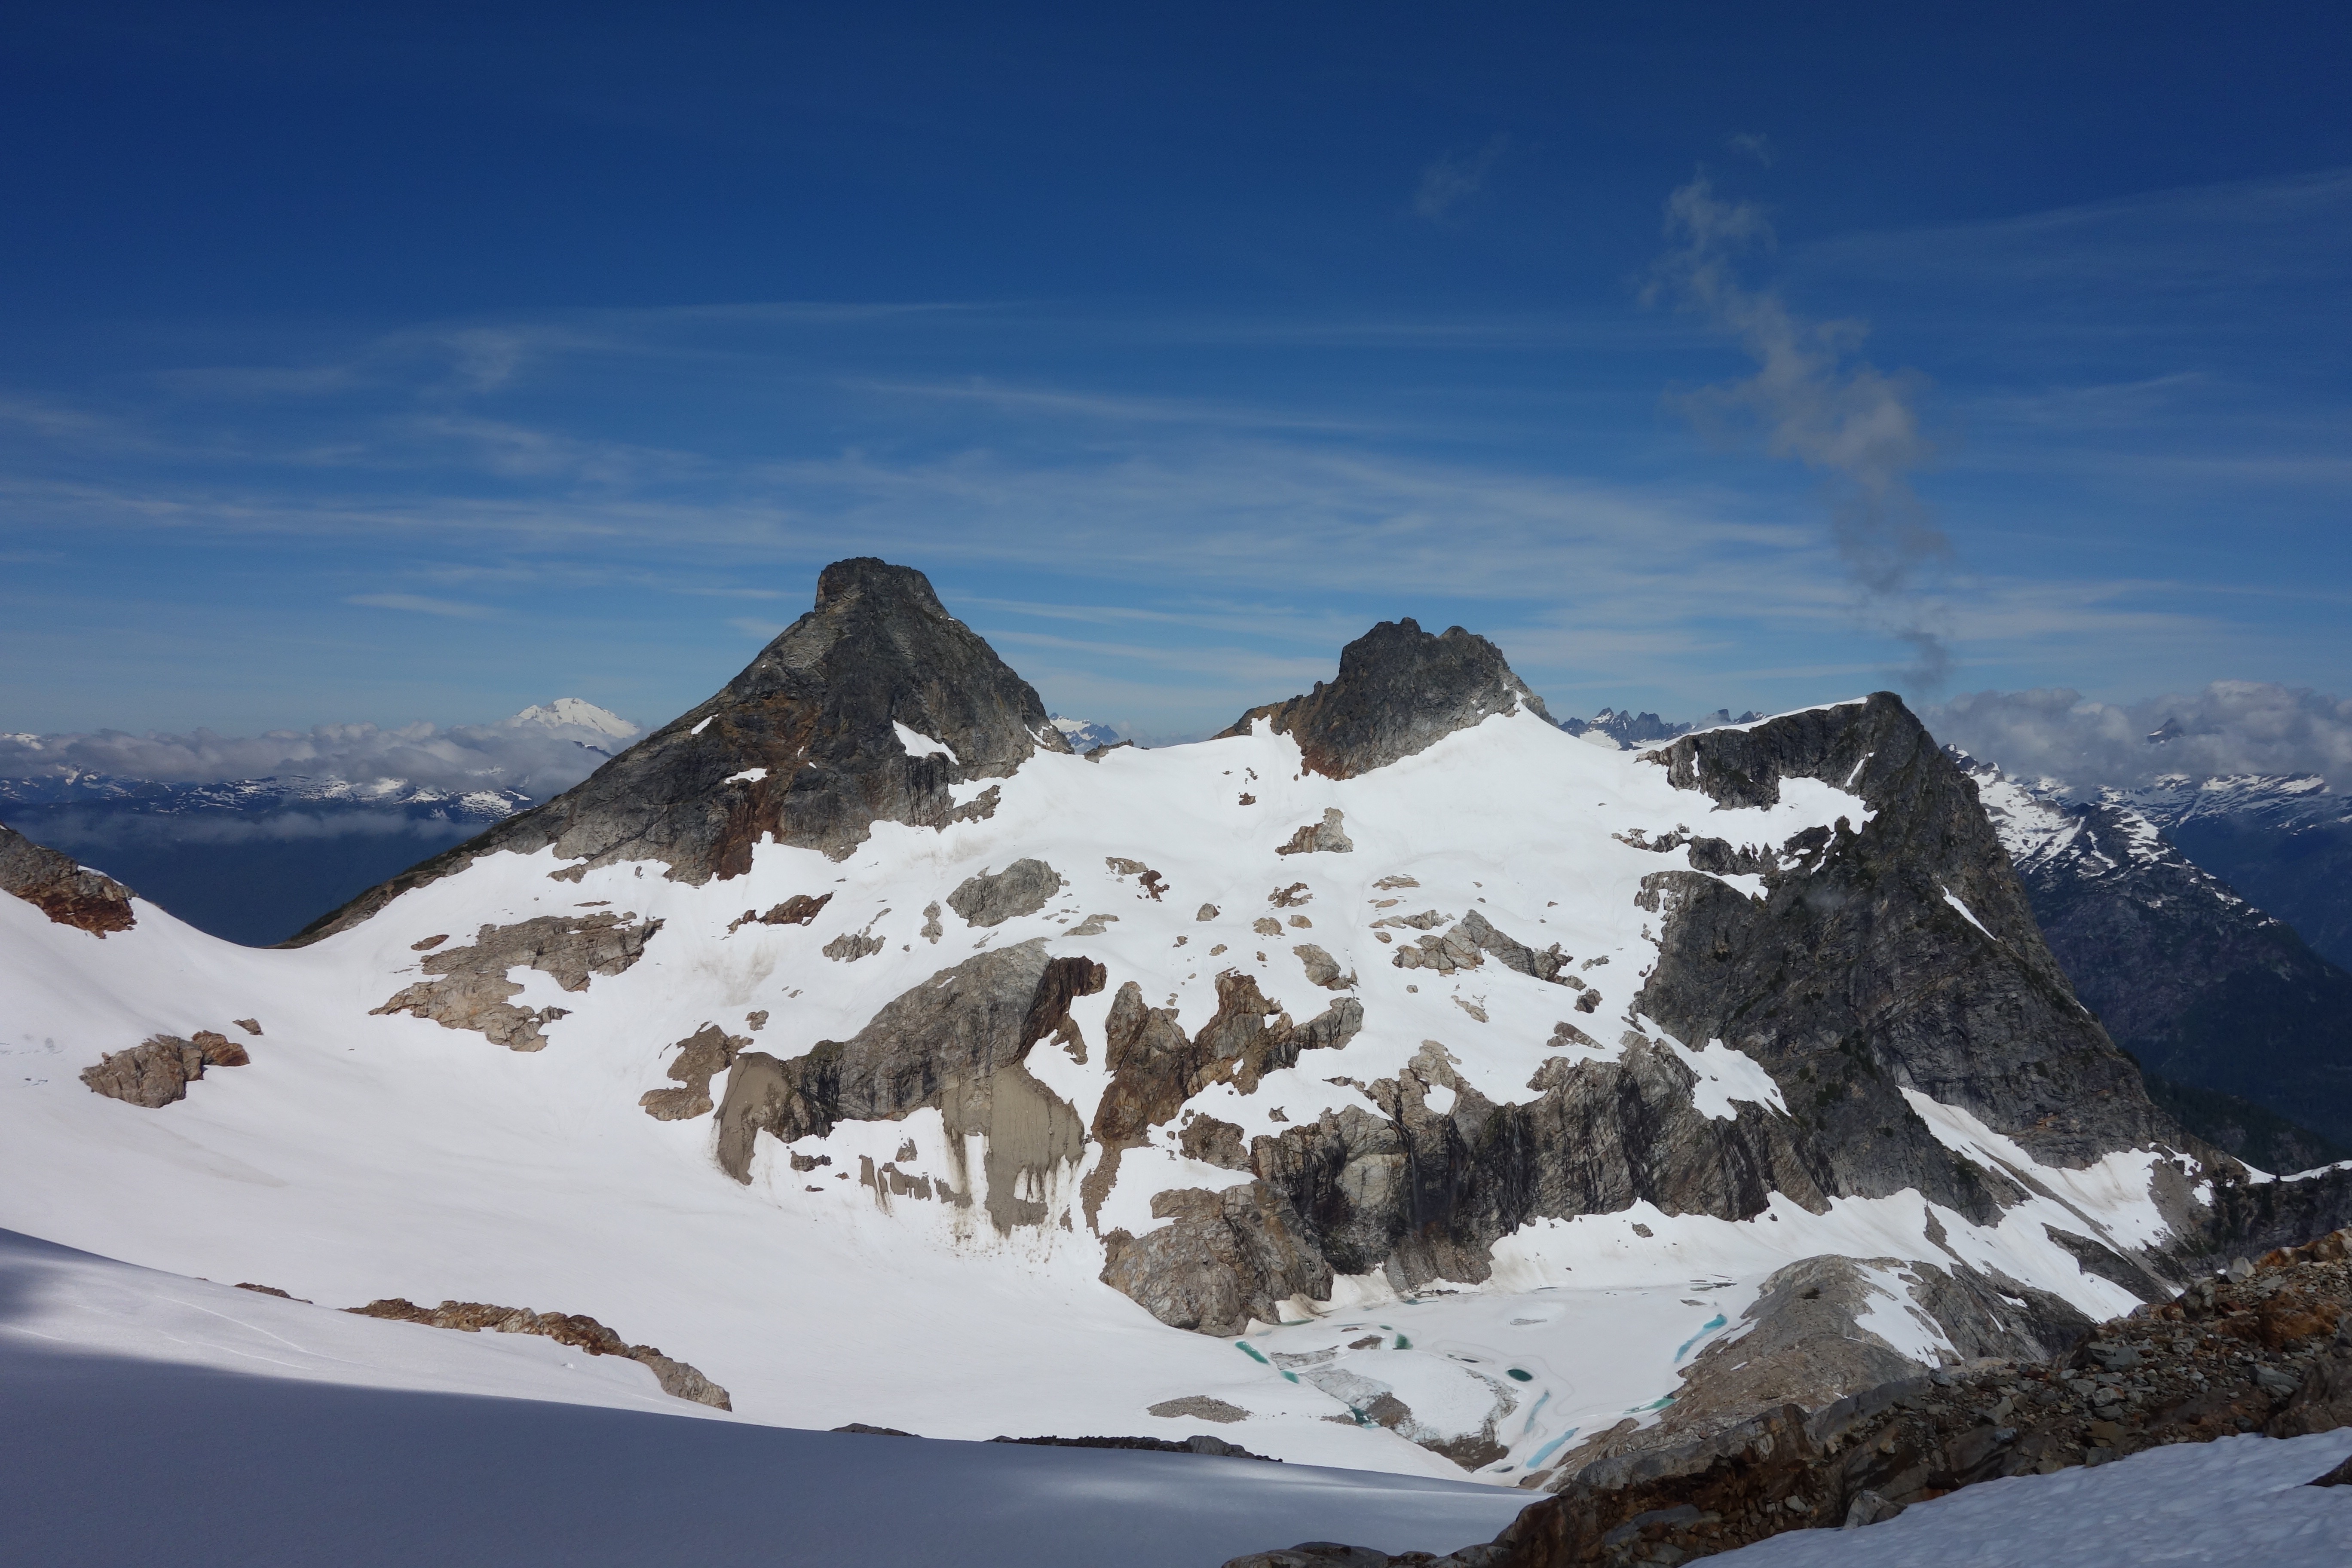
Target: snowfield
(363,1156)
(146,1418)
(2234,1501)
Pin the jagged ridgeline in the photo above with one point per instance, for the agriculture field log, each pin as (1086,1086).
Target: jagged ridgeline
(1508,1101)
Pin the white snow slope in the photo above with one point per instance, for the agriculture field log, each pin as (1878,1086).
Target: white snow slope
(361,1156)
(2234,1501)
(146,1418)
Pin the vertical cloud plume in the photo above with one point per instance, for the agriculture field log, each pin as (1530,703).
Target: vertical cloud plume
(1814,401)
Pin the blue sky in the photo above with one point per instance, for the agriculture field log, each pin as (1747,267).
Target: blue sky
(425,362)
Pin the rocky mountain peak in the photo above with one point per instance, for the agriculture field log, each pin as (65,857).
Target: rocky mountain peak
(865,709)
(1400,691)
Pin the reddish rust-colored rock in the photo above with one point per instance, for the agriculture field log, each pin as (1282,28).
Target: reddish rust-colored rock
(61,887)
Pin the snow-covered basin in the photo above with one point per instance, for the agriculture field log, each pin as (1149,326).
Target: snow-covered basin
(150,1418)
(2239,1500)
(364,1155)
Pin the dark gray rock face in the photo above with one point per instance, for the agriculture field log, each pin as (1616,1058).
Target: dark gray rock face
(1424,1195)
(1020,889)
(804,744)
(1400,691)
(1852,977)
(61,888)
(956,1044)
(1856,974)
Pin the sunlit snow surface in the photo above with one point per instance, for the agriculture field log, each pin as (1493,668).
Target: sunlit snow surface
(361,1156)
(2236,1500)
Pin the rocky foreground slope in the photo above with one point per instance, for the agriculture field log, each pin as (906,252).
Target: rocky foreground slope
(2266,1347)
(1395,1080)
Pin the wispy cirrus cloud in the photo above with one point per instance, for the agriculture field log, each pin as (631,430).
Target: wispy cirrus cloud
(1260,481)
(418,603)
(1452,178)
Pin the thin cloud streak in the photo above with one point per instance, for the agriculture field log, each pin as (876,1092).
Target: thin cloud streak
(1448,181)
(1815,402)
(417,603)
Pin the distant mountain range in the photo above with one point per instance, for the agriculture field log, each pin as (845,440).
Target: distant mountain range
(1084,735)
(2284,842)
(2243,1031)
(254,860)
(1630,729)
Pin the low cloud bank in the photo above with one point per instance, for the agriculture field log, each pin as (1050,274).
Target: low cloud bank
(2230,727)
(540,752)
(78,828)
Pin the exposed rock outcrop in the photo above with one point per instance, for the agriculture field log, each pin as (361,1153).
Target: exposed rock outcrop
(1322,969)
(800,909)
(1465,945)
(1328,836)
(1893,953)
(806,744)
(1810,1345)
(578,1330)
(2269,1350)
(470,990)
(1898,951)
(954,1044)
(159,1069)
(701,1056)
(62,889)
(1200,1407)
(1201,1443)
(1400,691)
(1020,889)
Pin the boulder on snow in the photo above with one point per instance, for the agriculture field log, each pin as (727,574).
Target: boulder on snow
(159,1069)
(1328,836)
(62,889)
(577,1329)
(1020,889)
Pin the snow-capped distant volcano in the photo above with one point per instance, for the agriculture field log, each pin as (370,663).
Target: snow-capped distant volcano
(573,713)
